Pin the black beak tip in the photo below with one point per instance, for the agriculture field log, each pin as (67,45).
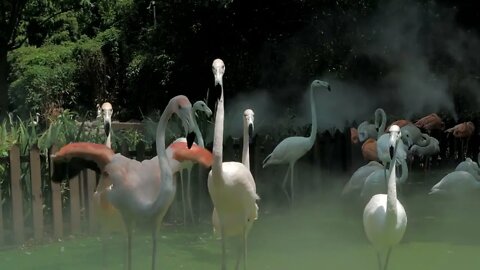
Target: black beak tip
(250,133)
(190,139)
(107,128)
(329,88)
(391,152)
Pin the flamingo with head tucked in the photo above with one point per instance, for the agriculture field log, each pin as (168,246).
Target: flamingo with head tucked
(141,191)
(230,184)
(462,131)
(430,122)
(292,148)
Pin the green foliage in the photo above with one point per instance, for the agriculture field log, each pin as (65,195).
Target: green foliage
(42,78)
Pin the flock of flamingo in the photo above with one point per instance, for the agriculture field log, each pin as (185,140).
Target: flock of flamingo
(132,193)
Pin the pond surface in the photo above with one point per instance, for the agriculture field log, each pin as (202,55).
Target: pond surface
(322,231)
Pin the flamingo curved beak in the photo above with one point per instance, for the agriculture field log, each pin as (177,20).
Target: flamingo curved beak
(250,132)
(190,139)
(107,123)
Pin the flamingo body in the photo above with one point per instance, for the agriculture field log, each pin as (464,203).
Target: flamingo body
(456,183)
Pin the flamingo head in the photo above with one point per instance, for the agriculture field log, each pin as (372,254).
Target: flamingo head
(200,106)
(107,112)
(395,135)
(248,119)
(319,83)
(218,69)
(181,106)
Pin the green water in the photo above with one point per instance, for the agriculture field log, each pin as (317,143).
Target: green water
(320,232)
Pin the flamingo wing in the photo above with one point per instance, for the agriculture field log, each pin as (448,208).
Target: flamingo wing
(72,158)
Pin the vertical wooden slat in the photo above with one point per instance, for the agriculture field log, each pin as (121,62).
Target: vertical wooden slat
(37,198)
(2,230)
(75,204)
(56,204)
(124,149)
(140,149)
(17,199)
(91,183)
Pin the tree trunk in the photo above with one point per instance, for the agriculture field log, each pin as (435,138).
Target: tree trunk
(3,82)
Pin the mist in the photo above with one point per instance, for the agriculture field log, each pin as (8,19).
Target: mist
(408,38)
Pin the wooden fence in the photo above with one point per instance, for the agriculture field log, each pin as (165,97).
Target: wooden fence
(35,209)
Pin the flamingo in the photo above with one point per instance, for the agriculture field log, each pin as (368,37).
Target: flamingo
(369,147)
(462,131)
(457,183)
(384,218)
(354,135)
(401,123)
(230,184)
(292,148)
(376,182)
(430,122)
(107,112)
(248,119)
(187,165)
(369,150)
(432,148)
(470,166)
(357,179)
(141,191)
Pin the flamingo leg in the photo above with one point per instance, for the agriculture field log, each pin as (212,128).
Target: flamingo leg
(189,195)
(285,183)
(242,250)
(239,253)
(183,199)
(388,257)
(154,244)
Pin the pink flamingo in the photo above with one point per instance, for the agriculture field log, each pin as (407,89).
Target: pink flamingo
(462,131)
(138,190)
(430,122)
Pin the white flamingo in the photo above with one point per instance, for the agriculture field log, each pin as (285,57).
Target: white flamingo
(384,218)
(376,182)
(248,120)
(107,112)
(355,184)
(432,148)
(292,148)
(470,166)
(456,183)
(230,184)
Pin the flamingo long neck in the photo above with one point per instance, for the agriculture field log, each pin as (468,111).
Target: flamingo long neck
(165,169)
(218,137)
(196,129)
(245,153)
(313,132)
(392,193)
(381,116)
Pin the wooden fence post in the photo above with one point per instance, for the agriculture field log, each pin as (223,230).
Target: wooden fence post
(17,199)
(2,230)
(75,205)
(37,198)
(56,203)
(140,149)
(91,184)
